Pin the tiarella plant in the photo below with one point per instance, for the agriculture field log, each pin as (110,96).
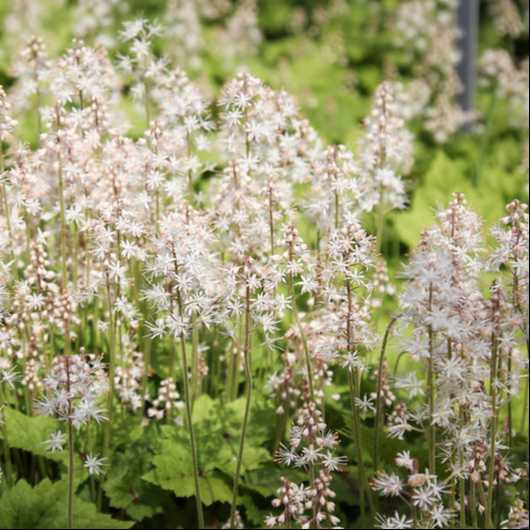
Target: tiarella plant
(201,322)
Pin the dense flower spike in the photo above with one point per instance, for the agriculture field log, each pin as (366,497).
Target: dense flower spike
(427,32)
(312,447)
(76,385)
(509,17)
(387,152)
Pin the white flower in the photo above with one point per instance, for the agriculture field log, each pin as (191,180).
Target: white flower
(441,516)
(56,442)
(287,456)
(352,361)
(395,521)
(398,428)
(94,465)
(423,497)
(333,463)
(389,485)
(310,455)
(366,404)
(404,459)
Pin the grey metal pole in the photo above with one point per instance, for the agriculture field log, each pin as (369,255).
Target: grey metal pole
(468,23)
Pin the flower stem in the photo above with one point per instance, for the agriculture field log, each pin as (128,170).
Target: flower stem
(524,415)
(248,398)
(271,219)
(195,388)
(493,430)
(378,406)
(356,428)
(110,396)
(193,443)
(305,346)
(70,475)
(380,235)
(430,382)
(189,416)
(70,509)
(473,505)
(63,226)
(5,203)
(462,487)
(353,380)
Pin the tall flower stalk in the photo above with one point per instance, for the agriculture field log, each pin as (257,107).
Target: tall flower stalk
(189,415)
(248,402)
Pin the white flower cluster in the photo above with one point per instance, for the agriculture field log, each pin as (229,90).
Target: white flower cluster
(427,31)
(75,386)
(311,446)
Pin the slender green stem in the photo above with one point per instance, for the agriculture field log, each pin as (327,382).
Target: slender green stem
(63,226)
(462,495)
(271,220)
(307,357)
(473,508)
(110,396)
(380,236)
(497,514)
(378,406)
(5,203)
(7,212)
(356,427)
(509,400)
(432,431)
(248,399)
(337,210)
(431,390)
(493,430)
(524,415)
(189,415)
(230,371)
(189,149)
(516,301)
(193,443)
(194,360)
(157,212)
(233,366)
(70,509)
(482,494)
(70,475)
(305,346)
(353,380)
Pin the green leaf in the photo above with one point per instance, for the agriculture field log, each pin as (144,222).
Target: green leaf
(45,506)
(267,479)
(445,177)
(30,432)
(252,512)
(213,487)
(173,471)
(139,502)
(203,408)
(125,487)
